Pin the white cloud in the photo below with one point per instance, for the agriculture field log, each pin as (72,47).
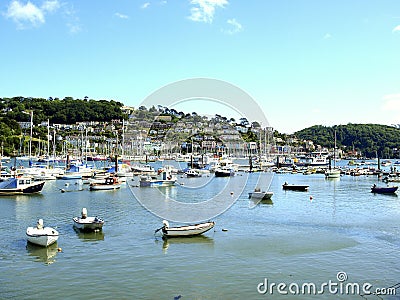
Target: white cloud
(391,102)
(235,27)
(204,10)
(28,14)
(50,6)
(24,15)
(121,16)
(73,22)
(145,5)
(327,36)
(396,29)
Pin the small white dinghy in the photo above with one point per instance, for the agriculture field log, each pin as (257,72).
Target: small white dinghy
(185,231)
(42,236)
(86,223)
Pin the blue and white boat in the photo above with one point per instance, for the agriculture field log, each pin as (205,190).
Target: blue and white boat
(163,178)
(21,185)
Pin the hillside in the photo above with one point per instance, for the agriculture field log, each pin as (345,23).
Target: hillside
(369,139)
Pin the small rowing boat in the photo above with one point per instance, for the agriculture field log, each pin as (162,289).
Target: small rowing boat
(384,190)
(295,187)
(186,230)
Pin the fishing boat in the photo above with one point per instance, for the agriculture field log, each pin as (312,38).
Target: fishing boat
(21,185)
(185,231)
(164,178)
(384,190)
(42,236)
(257,194)
(86,223)
(295,187)
(109,183)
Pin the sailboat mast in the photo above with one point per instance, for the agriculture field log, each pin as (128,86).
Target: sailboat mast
(48,139)
(334,153)
(30,137)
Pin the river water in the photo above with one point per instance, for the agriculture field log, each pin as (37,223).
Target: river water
(338,228)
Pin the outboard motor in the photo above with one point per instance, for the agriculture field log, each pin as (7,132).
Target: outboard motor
(84,213)
(166,224)
(39,224)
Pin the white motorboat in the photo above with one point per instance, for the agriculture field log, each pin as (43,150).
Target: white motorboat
(86,223)
(193,173)
(260,195)
(225,171)
(21,185)
(186,230)
(42,236)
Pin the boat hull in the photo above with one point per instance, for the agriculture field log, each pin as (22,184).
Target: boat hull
(293,187)
(261,195)
(42,237)
(156,183)
(88,224)
(187,231)
(104,187)
(69,177)
(219,173)
(332,174)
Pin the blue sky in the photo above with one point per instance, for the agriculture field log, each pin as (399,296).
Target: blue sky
(306,62)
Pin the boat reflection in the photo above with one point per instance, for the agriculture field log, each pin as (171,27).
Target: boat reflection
(90,236)
(43,254)
(255,202)
(201,240)
(386,195)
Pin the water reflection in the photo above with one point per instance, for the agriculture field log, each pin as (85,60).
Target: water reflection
(89,236)
(43,254)
(254,202)
(394,195)
(177,242)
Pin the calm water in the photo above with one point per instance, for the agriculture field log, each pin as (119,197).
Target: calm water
(337,226)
